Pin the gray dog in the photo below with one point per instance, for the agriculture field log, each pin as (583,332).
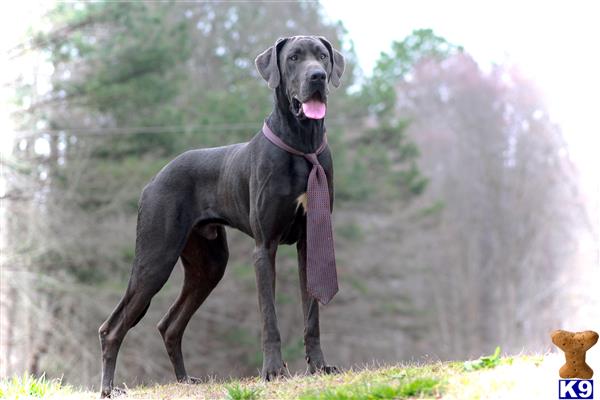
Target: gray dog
(255,187)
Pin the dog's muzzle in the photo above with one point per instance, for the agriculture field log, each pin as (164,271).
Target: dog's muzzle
(312,105)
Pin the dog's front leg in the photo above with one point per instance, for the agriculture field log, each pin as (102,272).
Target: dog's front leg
(310,308)
(264,267)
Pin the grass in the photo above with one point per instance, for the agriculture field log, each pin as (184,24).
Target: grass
(27,386)
(237,392)
(489,377)
(364,391)
(485,362)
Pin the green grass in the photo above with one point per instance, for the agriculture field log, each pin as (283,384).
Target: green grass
(486,362)
(27,386)
(489,377)
(365,391)
(237,392)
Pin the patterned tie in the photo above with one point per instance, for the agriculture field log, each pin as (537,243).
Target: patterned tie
(320,258)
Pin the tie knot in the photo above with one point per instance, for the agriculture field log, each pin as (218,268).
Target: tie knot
(312,157)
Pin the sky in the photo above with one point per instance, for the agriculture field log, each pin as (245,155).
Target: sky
(554,43)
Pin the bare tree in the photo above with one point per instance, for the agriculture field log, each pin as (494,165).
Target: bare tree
(506,230)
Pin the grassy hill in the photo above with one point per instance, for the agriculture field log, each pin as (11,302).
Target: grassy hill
(492,377)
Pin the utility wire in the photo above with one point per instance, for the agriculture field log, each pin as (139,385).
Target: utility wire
(136,130)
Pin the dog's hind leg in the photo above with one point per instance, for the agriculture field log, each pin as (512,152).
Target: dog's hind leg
(204,260)
(126,315)
(158,246)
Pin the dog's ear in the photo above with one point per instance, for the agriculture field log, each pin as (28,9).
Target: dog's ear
(267,63)
(337,61)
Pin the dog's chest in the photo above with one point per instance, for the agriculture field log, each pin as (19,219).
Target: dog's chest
(290,179)
(293,175)
(286,189)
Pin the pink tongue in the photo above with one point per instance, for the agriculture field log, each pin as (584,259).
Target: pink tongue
(314,109)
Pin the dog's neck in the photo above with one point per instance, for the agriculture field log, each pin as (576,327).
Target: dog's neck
(305,135)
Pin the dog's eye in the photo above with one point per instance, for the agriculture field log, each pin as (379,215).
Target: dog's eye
(294,57)
(323,56)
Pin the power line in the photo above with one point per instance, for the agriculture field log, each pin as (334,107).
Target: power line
(173,129)
(133,130)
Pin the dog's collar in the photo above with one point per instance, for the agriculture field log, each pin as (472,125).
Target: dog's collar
(276,140)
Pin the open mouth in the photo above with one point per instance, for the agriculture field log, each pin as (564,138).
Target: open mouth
(314,107)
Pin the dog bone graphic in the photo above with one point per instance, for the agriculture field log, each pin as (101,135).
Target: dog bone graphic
(575,344)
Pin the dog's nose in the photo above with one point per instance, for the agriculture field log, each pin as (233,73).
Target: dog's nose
(317,75)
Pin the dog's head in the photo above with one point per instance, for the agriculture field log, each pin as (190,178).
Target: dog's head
(300,67)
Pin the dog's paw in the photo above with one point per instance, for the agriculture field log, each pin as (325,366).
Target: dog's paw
(273,371)
(324,369)
(112,393)
(319,367)
(190,380)
(330,370)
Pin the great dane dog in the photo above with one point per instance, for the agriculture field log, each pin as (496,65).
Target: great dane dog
(255,187)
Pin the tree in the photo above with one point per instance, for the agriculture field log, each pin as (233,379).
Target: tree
(499,167)
(390,155)
(397,66)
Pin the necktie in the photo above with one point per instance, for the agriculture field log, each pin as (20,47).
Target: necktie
(320,258)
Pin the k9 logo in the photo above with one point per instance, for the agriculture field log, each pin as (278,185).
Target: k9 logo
(575,389)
